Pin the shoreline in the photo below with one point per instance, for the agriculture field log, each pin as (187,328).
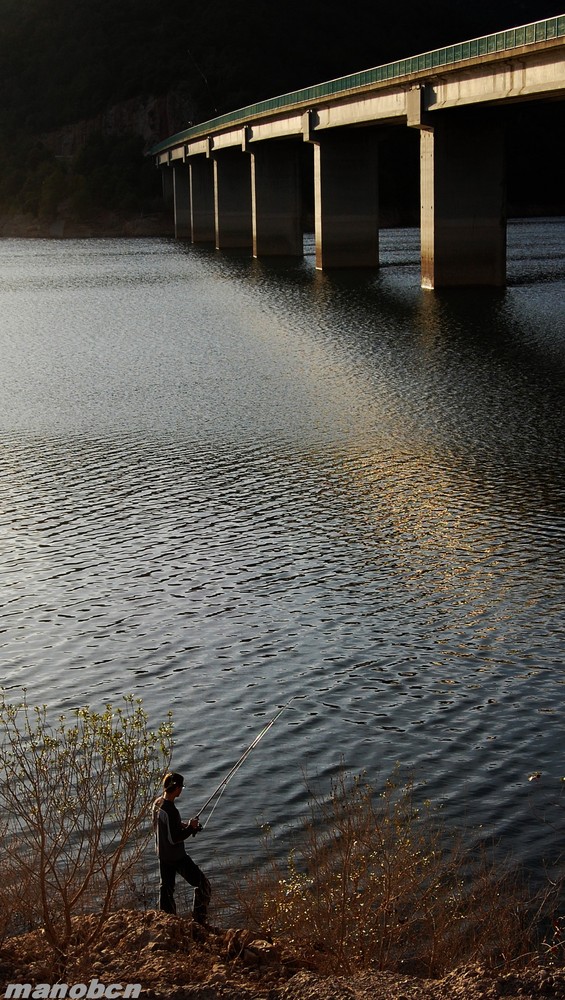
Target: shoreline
(171,958)
(106,225)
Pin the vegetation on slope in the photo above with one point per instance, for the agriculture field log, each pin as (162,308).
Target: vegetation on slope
(375,879)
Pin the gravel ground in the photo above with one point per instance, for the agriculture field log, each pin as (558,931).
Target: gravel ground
(173,959)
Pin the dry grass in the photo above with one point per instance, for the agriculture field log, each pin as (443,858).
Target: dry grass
(375,882)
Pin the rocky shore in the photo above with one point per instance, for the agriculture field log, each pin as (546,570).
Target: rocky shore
(174,959)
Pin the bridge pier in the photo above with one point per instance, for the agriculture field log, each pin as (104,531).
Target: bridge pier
(276,200)
(232,194)
(463,211)
(346,199)
(181,201)
(203,225)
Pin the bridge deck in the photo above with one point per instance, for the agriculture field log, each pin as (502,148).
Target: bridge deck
(527,38)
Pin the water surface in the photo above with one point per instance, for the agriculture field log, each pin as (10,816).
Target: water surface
(226,484)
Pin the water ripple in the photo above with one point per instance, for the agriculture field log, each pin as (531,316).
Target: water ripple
(225,484)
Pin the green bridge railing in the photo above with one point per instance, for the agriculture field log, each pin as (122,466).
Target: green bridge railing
(501,41)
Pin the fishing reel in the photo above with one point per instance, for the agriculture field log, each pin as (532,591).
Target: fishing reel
(188,825)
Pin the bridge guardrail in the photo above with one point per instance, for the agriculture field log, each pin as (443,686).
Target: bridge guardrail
(500,41)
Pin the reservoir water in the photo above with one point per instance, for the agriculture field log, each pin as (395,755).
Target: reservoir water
(228,483)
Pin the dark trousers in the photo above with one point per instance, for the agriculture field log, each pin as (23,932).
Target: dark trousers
(186,868)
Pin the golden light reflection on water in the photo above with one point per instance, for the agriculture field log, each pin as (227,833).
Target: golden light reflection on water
(433,528)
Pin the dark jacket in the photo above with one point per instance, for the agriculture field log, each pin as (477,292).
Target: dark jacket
(170,831)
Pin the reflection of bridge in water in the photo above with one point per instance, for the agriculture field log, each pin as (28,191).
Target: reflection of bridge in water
(235,181)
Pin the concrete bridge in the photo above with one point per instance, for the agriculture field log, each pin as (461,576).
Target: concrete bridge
(235,181)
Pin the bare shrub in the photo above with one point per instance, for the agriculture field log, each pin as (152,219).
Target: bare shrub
(74,797)
(18,900)
(374,881)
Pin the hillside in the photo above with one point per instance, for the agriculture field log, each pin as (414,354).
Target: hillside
(88,84)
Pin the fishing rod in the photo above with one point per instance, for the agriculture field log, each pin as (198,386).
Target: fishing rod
(223,783)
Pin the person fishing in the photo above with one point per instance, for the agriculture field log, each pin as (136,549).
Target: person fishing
(170,835)
(171,832)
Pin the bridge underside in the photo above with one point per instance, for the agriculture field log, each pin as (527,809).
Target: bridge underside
(258,194)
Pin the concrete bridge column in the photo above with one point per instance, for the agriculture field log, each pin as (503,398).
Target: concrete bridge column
(203,223)
(181,194)
(232,193)
(276,200)
(346,199)
(463,210)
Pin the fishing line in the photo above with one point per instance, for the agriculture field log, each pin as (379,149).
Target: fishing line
(220,789)
(213,809)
